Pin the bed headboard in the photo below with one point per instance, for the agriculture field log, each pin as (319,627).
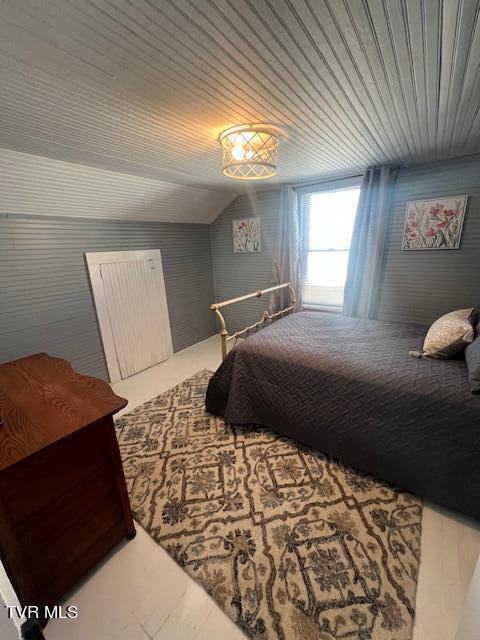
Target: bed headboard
(267,317)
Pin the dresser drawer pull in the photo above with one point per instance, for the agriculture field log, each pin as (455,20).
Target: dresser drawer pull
(2,421)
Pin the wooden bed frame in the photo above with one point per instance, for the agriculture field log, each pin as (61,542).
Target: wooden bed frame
(267,317)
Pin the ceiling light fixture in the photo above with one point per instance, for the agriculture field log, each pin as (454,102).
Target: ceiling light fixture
(250,151)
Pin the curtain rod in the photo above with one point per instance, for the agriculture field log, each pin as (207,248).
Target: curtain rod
(314,183)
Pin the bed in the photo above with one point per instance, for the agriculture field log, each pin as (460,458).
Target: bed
(348,388)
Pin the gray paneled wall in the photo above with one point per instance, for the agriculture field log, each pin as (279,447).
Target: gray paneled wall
(239,273)
(46,302)
(419,286)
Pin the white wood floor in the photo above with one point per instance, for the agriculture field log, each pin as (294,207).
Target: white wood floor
(139,593)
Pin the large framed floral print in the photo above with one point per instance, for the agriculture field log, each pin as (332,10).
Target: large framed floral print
(246,235)
(434,224)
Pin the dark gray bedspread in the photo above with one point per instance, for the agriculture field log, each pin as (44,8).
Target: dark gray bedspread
(349,388)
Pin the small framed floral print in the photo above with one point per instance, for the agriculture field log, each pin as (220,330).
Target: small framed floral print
(246,235)
(434,224)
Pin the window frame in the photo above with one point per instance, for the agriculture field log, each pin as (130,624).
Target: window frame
(304,194)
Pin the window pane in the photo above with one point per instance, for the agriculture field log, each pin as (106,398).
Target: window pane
(316,295)
(327,268)
(332,214)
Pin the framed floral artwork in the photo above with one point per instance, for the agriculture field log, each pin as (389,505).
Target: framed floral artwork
(246,236)
(434,224)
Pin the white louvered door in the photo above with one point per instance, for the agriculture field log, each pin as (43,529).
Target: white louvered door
(131,303)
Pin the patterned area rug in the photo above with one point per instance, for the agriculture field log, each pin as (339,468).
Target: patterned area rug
(289,543)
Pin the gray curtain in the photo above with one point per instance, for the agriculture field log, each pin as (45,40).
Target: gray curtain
(367,250)
(287,257)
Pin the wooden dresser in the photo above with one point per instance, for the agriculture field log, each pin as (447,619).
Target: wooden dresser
(63,498)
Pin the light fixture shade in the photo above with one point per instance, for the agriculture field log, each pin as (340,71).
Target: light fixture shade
(250,151)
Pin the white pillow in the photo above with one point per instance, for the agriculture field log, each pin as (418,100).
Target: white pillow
(449,335)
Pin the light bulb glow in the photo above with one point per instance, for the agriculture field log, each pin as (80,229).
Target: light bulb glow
(238,152)
(250,151)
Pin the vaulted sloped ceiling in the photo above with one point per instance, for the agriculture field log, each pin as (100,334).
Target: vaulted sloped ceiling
(145,86)
(34,185)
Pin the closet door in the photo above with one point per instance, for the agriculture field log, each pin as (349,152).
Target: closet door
(131,303)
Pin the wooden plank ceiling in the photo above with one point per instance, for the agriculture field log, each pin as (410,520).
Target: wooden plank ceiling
(145,86)
(34,185)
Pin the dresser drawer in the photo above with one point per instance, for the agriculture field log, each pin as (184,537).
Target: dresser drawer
(55,587)
(75,541)
(32,485)
(45,527)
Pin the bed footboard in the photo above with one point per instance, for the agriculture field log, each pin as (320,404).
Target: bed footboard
(267,317)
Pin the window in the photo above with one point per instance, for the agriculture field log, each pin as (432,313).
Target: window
(329,227)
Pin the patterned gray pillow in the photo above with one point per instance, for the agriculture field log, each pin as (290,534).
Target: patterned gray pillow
(449,335)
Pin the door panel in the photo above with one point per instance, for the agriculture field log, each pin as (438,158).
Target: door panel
(133,306)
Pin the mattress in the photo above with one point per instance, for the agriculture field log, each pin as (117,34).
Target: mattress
(348,388)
